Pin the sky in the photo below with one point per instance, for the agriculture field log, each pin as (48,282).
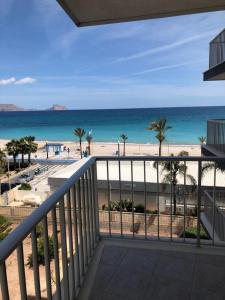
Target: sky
(45,59)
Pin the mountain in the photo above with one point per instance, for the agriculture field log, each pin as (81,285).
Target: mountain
(13,107)
(10,107)
(57,107)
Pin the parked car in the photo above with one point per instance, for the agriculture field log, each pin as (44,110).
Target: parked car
(24,178)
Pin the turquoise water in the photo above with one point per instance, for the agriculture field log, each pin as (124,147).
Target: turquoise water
(188,123)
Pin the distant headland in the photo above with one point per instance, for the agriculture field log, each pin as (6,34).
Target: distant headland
(13,107)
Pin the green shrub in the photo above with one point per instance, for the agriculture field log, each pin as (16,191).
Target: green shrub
(25,187)
(40,251)
(139,208)
(4,227)
(191,233)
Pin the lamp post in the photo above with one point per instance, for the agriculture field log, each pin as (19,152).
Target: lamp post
(8,173)
(118,145)
(46,146)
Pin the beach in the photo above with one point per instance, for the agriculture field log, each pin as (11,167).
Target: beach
(98,148)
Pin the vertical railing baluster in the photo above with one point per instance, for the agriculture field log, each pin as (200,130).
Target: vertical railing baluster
(120,199)
(47,258)
(91,211)
(184,234)
(56,253)
(64,249)
(77,251)
(172,194)
(96,200)
(70,235)
(88,216)
(80,227)
(35,264)
(157,175)
(3,281)
(214,203)
(132,195)
(83,205)
(21,270)
(199,202)
(93,205)
(145,199)
(109,204)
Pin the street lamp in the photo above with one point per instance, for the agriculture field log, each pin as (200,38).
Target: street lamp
(46,146)
(118,145)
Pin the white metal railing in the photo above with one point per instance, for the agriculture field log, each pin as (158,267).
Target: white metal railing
(73,209)
(74,217)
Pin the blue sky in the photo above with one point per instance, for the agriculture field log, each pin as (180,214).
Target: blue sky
(46,59)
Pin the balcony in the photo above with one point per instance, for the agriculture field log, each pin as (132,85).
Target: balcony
(216,58)
(215,138)
(104,249)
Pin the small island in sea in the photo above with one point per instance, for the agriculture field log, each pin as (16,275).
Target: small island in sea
(13,107)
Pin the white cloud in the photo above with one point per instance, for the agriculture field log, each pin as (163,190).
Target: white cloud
(168,67)
(167,46)
(13,80)
(25,80)
(7,81)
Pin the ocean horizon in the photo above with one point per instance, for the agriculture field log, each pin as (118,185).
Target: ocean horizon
(188,123)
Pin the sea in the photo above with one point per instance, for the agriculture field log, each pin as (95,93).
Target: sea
(106,125)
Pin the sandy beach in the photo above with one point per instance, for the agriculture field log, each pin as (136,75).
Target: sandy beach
(101,148)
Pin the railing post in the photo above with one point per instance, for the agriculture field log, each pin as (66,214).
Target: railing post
(96,199)
(199,202)
(4,281)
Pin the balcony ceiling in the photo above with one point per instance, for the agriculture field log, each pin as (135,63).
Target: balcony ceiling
(215,73)
(95,12)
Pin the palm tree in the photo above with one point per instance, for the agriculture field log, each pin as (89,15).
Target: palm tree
(89,139)
(160,127)
(202,140)
(23,149)
(80,132)
(2,161)
(32,147)
(124,137)
(170,171)
(13,149)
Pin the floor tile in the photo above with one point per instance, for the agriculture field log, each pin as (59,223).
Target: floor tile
(132,285)
(113,255)
(176,268)
(140,260)
(165,288)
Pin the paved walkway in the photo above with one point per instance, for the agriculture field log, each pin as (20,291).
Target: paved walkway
(132,274)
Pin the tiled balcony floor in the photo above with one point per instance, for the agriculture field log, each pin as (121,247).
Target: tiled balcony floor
(127,273)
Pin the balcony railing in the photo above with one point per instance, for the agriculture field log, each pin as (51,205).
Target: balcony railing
(217,50)
(90,205)
(216,134)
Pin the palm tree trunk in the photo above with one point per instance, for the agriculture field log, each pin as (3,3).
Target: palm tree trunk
(14,161)
(160,148)
(124,148)
(81,154)
(174,200)
(89,148)
(22,161)
(29,154)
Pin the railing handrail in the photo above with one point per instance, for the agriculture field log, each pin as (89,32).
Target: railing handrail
(161,158)
(10,243)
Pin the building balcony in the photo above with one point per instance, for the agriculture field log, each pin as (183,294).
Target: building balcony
(120,230)
(216,58)
(215,145)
